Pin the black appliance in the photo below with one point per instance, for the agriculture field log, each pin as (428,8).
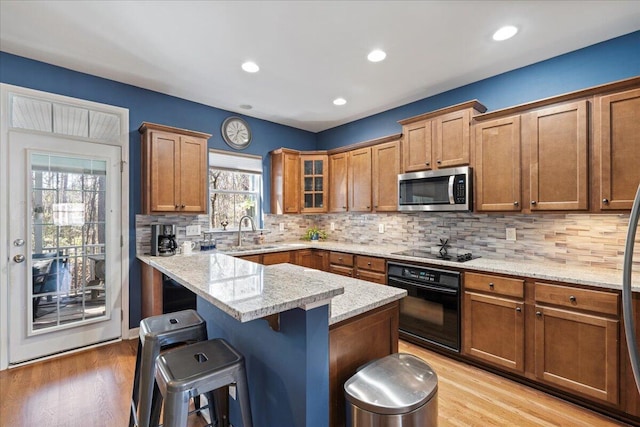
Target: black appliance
(441,190)
(443,254)
(431,311)
(176,297)
(163,240)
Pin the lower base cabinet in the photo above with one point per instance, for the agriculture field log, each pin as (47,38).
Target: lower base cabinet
(353,343)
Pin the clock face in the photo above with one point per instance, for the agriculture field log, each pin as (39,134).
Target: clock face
(236,133)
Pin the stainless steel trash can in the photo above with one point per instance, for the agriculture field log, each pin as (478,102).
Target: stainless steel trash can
(399,390)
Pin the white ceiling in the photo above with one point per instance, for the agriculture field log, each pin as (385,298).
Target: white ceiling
(309,52)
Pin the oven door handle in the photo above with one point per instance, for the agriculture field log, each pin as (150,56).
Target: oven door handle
(443,290)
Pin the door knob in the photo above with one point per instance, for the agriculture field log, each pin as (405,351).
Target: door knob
(18,258)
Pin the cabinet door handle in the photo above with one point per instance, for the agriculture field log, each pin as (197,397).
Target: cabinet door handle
(427,163)
(533,202)
(605,201)
(368,207)
(369,264)
(572,298)
(518,309)
(376,206)
(177,207)
(516,203)
(491,285)
(539,313)
(183,206)
(438,161)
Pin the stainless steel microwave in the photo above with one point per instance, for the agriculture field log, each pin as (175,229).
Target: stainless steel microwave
(440,190)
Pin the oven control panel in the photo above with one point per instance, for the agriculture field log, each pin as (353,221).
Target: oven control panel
(424,275)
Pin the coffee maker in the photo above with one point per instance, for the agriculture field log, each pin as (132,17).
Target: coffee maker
(163,239)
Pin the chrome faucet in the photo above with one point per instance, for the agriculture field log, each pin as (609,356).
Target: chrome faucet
(253,228)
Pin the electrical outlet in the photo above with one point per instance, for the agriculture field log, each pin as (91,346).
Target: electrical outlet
(380,228)
(332,226)
(193,230)
(511,234)
(282,226)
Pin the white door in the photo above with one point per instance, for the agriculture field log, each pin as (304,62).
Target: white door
(64,244)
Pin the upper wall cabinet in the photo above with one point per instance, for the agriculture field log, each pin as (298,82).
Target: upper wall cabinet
(438,139)
(338,195)
(385,167)
(174,170)
(497,165)
(359,180)
(314,183)
(285,181)
(616,149)
(556,141)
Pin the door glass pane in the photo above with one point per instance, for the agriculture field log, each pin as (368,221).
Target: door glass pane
(68,240)
(318,199)
(318,184)
(308,200)
(308,183)
(308,167)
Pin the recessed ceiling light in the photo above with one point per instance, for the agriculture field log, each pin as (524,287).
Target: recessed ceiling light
(505,33)
(250,67)
(376,55)
(339,101)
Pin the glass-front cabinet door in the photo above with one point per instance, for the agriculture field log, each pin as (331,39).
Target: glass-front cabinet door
(314,182)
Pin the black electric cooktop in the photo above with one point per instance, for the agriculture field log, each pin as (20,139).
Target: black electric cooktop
(424,253)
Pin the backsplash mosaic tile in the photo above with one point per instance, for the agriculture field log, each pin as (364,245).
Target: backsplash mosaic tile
(572,239)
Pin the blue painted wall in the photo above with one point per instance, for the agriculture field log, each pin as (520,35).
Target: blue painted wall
(287,371)
(149,106)
(605,62)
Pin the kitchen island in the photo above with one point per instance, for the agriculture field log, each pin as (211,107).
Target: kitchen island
(303,332)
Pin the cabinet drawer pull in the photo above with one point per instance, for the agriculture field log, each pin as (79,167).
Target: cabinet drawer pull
(369,264)
(539,313)
(572,298)
(605,201)
(533,202)
(491,285)
(518,309)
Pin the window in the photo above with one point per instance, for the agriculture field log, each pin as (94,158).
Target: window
(235,189)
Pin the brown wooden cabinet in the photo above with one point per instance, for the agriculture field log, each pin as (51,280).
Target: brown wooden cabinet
(359,180)
(314,180)
(616,149)
(341,263)
(438,139)
(338,166)
(497,165)
(285,181)
(174,170)
(312,258)
(384,176)
(557,160)
(576,340)
(494,320)
(371,269)
(271,258)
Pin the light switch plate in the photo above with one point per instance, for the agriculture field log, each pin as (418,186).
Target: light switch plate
(380,228)
(511,234)
(193,230)
(333,226)
(282,226)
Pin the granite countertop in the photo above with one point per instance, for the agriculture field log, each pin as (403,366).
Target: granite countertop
(248,291)
(589,276)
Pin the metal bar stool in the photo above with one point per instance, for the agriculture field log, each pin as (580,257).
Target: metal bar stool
(196,369)
(156,334)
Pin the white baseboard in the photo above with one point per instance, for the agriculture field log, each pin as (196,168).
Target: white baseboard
(134,333)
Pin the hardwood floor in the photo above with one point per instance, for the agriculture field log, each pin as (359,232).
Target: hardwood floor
(93,389)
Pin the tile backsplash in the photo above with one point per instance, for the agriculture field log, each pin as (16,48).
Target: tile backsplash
(573,239)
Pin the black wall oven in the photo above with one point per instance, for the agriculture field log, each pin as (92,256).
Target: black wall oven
(431,310)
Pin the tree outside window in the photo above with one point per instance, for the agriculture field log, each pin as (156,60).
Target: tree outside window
(233,194)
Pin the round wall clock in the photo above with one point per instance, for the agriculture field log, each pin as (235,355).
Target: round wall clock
(236,133)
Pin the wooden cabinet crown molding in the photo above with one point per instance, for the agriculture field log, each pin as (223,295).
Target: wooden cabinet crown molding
(365,144)
(474,104)
(146,126)
(620,85)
